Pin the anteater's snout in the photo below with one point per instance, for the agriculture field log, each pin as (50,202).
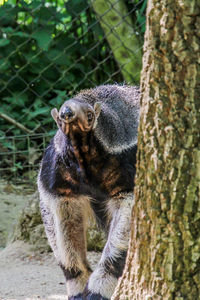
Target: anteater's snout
(67,114)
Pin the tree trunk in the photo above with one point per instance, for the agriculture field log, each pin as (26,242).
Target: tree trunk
(164,254)
(118,28)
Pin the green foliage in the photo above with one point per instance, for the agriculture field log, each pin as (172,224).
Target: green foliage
(138,14)
(141,18)
(49,49)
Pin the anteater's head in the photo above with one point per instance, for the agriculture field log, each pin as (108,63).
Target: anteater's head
(76,116)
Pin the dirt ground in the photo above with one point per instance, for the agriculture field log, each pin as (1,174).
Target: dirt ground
(25,274)
(29,275)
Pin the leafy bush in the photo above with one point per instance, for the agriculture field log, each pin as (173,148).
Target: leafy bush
(49,49)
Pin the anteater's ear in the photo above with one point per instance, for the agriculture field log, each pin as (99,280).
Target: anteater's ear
(55,115)
(97,109)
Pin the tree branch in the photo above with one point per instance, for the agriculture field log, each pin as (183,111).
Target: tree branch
(15,123)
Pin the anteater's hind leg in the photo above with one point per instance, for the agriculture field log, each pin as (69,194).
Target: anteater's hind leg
(103,280)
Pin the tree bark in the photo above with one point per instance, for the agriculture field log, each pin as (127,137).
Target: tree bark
(118,28)
(164,252)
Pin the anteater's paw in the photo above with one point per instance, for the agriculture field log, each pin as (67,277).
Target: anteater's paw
(87,295)
(77,297)
(91,296)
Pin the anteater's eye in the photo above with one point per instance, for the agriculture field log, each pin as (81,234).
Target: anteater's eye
(90,116)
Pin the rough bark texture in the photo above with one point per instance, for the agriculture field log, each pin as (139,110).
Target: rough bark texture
(164,254)
(116,23)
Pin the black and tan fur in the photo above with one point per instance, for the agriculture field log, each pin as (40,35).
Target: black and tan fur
(89,168)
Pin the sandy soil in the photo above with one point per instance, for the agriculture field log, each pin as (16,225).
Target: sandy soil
(28,275)
(25,274)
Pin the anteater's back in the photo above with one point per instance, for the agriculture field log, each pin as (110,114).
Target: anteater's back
(118,121)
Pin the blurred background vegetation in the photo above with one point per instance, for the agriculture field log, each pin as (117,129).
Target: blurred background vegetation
(49,50)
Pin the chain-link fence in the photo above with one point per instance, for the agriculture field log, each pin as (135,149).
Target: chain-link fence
(49,50)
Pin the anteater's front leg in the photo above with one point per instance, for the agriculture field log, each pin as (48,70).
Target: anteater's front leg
(103,280)
(70,226)
(65,223)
